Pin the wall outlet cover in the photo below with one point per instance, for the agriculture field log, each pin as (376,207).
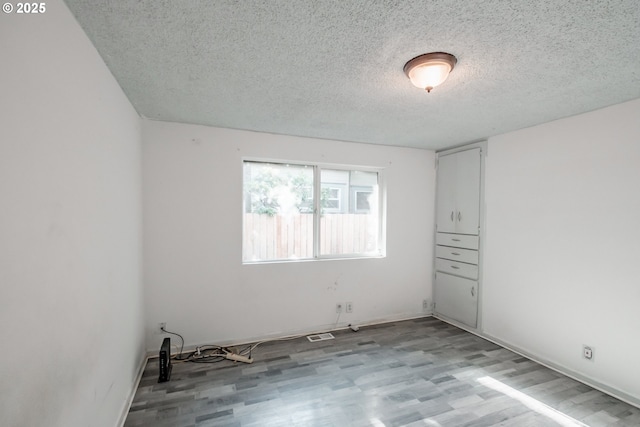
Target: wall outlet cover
(587,352)
(160,327)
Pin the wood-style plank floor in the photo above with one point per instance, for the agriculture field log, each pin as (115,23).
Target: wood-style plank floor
(421,372)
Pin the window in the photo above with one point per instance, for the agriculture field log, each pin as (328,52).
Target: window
(362,201)
(305,211)
(330,199)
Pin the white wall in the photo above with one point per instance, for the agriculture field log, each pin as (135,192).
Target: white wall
(70,233)
(194,276)
(562,244)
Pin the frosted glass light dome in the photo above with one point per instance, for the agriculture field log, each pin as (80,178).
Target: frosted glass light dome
(429,70)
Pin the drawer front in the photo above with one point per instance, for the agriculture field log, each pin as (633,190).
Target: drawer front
(457,254)
(469,271)
(458,240)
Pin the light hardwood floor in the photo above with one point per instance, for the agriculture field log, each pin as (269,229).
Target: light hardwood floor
(421,372)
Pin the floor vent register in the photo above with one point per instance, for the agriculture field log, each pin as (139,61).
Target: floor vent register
(320,337)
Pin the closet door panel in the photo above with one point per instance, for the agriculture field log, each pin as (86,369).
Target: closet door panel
(457,298)
(468,191)
(446,194)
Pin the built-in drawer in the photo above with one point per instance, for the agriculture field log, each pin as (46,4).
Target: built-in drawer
(457,254)
(457,240)
(469,271)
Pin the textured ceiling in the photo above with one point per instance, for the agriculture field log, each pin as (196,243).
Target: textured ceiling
(333,68)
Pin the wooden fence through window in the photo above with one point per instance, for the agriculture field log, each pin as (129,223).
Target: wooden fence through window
(269,237)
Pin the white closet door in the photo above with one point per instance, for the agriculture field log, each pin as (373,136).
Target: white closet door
(467,191)
(446,193)
(457,298)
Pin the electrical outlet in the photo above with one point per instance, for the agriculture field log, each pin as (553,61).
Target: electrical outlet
(339,307)
(587,352)
(348,307)
(161,326)
(425,304)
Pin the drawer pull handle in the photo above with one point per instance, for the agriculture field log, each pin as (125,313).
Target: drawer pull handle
(459,216)
(455,240)
(455,267)
(473,291)
(451,215)
(455,253)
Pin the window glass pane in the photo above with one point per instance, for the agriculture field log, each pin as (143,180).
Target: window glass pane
(281,216)
(278,212)
(362,201)
(349,221)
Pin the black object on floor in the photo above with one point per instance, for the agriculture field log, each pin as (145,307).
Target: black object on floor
(165,361)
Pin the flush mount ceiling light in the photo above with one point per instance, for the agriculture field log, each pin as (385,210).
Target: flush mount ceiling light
(430,70)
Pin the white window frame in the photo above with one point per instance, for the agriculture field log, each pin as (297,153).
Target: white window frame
(317,168)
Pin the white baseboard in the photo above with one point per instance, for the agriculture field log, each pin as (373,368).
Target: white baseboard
(134,388)
(611,391)
(153,353)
